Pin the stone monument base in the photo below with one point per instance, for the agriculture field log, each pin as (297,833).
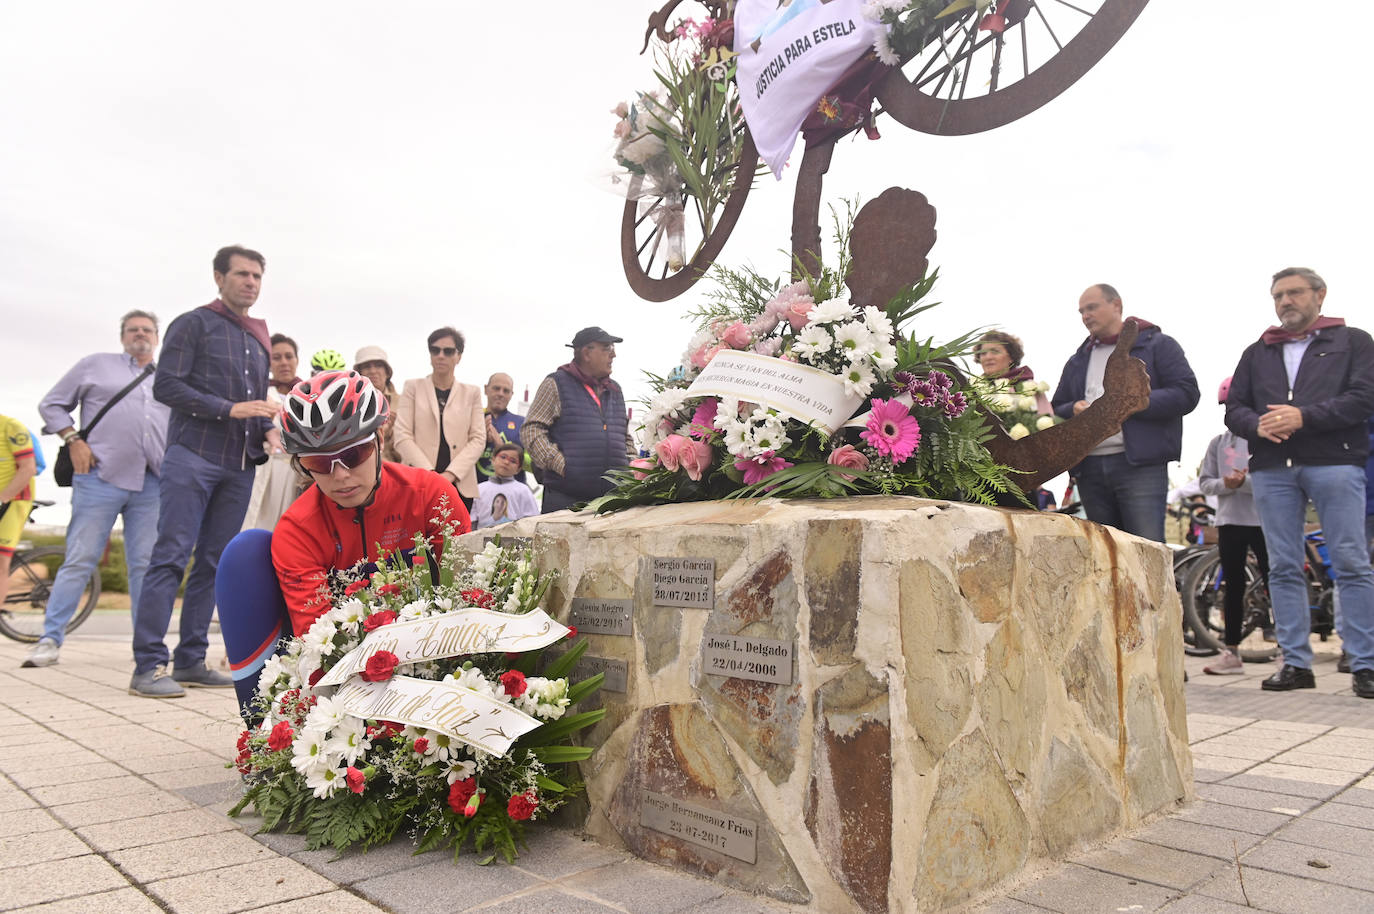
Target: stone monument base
(870,704)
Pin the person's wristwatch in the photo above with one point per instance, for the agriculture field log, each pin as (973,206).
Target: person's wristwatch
(67,438)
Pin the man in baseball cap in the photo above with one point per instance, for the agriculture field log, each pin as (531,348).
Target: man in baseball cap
(577,427)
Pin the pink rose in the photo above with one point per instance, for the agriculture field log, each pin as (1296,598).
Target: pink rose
(849,458)
(641,466)
(622,130)
(669,452)
(702,357)
(695,458)
(736,336)
(797,311)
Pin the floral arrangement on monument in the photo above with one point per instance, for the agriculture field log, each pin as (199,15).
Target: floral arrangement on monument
(677,145)
(415,706)
(913,24)
(901,422)
(1014,405)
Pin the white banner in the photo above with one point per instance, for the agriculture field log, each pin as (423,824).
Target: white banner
(799,391)
(789,54)
(462,631)
(470,717)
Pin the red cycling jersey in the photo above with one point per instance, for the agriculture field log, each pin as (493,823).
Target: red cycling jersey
(315,536)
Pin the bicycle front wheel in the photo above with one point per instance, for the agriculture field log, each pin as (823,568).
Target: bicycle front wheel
(31,578)
(1204,599)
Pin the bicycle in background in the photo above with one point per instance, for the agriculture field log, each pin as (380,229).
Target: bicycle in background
(32,570)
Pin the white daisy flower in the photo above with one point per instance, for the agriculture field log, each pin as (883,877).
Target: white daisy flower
(858,380)
(854,341)
(349,740)
(885,355)
(326,715)
(461,771)
(876,320)
(827,312)
(882,47)
(324,781)
(307,750)
(812,342)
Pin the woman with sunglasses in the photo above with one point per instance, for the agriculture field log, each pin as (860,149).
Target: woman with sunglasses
(360,509)
(439,422)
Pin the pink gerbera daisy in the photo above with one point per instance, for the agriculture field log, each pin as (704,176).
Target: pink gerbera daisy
(891,430)
(757,469)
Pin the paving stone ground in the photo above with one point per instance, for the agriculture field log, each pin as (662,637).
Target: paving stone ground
(112,803)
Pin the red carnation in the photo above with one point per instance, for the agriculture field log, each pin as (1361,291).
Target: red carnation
(243,761)
(242,744)
(478,597)
(572,632)
(388,590)
(281,737)
(417,559)
(514,683)
(380,666)
(378,619)
(356,779)
(459,792)
(389,728)
(522,806)
(316,677)
(356,586)
(421,746)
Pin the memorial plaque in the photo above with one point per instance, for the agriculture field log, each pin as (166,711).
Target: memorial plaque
(684,582)
(762,659)
(617,672)
(701,826)
(596,616)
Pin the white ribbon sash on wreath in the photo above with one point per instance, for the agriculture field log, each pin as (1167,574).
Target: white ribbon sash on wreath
(462,631)
(798,391)
(468,716)
(789,54)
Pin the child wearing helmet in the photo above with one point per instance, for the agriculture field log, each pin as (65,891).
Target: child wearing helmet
(327,360)
(360,508)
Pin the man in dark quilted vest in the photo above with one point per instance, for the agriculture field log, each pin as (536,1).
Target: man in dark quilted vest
(577,428)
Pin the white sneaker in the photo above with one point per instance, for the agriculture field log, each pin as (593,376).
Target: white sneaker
(44,653)
(1228,664)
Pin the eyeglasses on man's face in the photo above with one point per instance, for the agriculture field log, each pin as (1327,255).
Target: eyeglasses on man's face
(449,351)
(1279,294)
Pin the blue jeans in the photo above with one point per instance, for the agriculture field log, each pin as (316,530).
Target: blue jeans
(1281,496)
(202,507)
(95,505)
(1129,498)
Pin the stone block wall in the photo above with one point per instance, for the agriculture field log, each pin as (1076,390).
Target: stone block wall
(973,689)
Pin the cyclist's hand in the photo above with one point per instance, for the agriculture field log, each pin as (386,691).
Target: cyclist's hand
(253,409)
(82,458)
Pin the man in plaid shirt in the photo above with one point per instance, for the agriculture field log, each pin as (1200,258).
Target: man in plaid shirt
(213,376)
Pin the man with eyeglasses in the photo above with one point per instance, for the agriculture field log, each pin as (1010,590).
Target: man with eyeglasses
(1124,480)
(114,470)
(1301,396)
(213,377)
(503,424)
(577,427)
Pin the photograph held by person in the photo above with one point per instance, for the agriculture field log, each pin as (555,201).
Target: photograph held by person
(213,376)
(999,354)
(439,423)
(502,497)
(577,427)
(114,470)
(1302,396)
(275,485)
(1225,475)
(371,362)
(1124,481)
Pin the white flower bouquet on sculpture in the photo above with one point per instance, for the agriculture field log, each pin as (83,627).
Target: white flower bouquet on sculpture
(413,703)
(1015,404)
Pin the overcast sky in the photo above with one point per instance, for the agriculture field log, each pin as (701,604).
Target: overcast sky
(412,165)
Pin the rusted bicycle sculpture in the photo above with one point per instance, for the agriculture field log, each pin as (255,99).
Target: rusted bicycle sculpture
(978,72)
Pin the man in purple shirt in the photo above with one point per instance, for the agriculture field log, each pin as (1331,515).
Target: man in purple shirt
(115,470)
(213,375)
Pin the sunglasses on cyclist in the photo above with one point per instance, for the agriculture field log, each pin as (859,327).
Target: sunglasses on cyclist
(443,350)
(350,457)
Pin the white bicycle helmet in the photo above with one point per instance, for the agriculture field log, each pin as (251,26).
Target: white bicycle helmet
(330,411)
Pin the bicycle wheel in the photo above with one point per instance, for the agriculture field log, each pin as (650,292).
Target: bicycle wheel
(1204,598)
(31,576)
(975,75)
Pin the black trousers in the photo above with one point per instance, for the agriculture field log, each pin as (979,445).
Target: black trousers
(1233,540)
